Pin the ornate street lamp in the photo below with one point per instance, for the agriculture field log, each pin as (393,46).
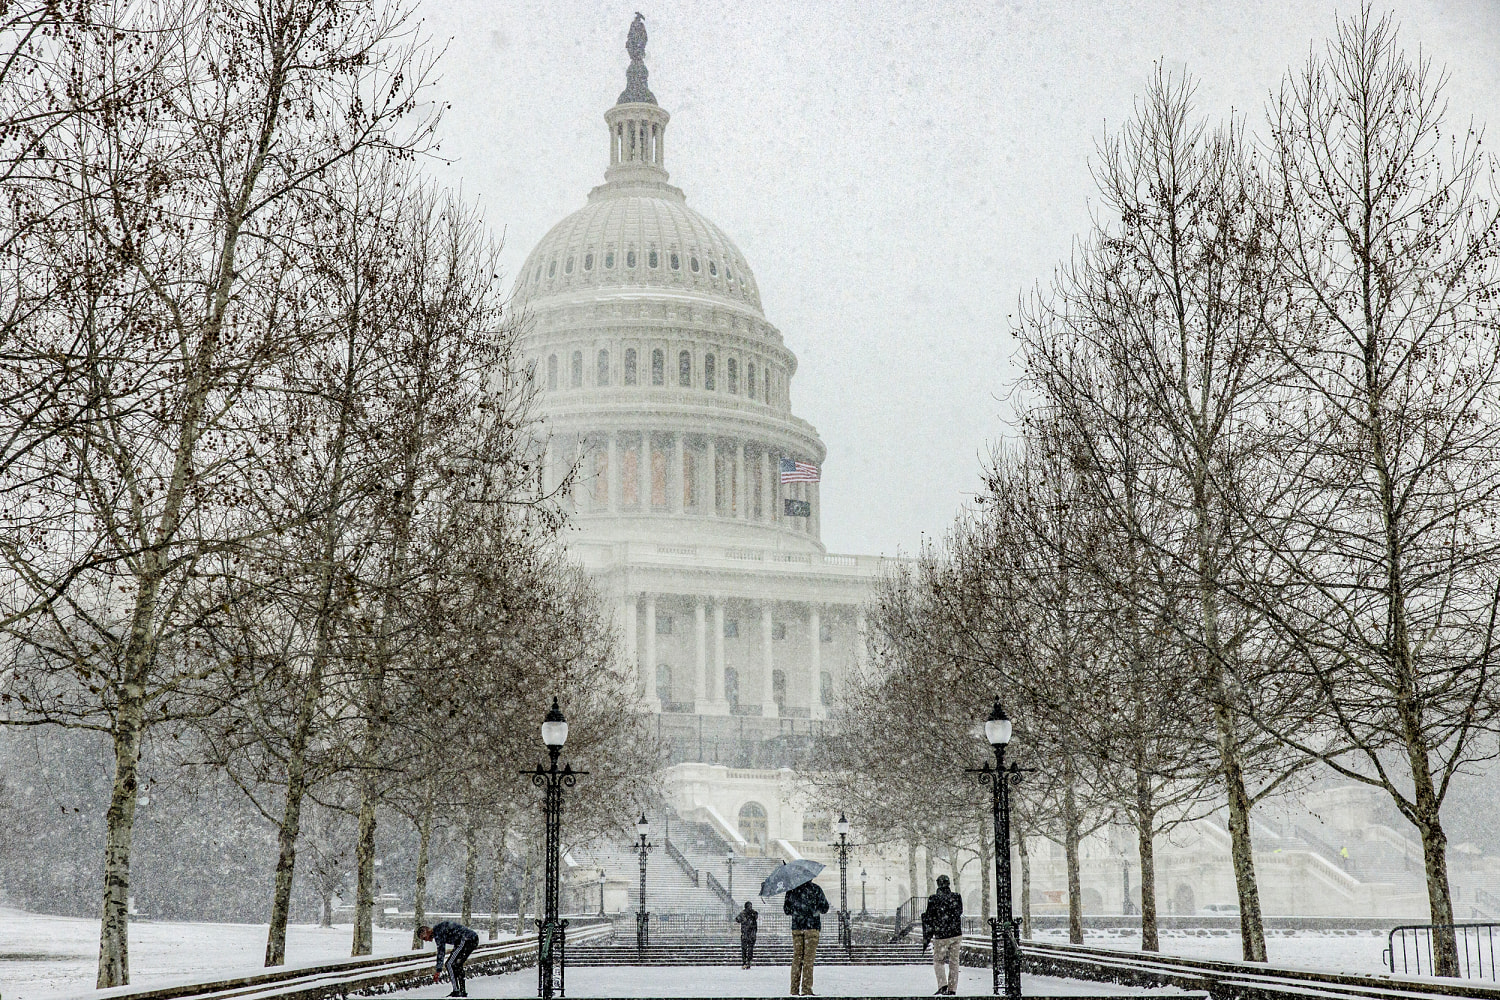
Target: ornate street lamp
(642,918)
(552,931)
(846,937)
(601,892)
(1005,947)
(864,911)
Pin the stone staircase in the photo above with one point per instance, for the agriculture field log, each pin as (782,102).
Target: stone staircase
(766,953)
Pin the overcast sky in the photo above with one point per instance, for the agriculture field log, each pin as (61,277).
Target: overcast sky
(896,174)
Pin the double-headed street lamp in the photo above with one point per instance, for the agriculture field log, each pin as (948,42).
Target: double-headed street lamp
(552,931)
(642,918)
(846,937)
(1005,946)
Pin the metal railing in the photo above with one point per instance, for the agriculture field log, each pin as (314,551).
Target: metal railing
(1411,944)
(717,887)
(711,927)
(682,861)
(907,915)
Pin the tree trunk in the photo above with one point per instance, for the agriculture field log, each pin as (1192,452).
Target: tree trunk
(471,871)
(327,909)
(521,894)
(364,862)
(1435,861)
(986,870)
(1070,851)
(1145,824)
(927,870)
(911,865)
(424,846)
(496,873)
(114,924)
(1024,856)
(1252,927)
(954,867)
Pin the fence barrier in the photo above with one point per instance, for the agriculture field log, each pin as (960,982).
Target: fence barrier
(1411,944)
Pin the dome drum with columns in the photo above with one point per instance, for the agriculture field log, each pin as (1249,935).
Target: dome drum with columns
(664,386)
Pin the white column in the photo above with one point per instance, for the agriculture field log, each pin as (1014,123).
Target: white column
(768,486)
(818,710)
(741,488)
(674,487)
(644,487)
(700,661)
(711,477)
(614,479)
(861,639)
(816,521)
(767,664)
(716,703)
(631,650)
(648,665)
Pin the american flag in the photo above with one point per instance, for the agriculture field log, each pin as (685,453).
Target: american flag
(793,471)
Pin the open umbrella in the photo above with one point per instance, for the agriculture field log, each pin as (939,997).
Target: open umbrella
(790,875)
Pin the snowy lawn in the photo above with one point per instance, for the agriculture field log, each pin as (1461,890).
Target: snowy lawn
(48,957)
(765,981)
(1326,951)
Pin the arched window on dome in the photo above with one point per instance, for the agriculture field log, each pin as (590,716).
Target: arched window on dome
(588,262)
(713,269)
(693,263)
(552,372)
(652,260)
(601,370)
(630,366)
(750,380)
(708,372)
(676,262)
(685,370)
(568,267)
(630,258)
(552,268)
(658,367)
(734,377)
(577,380)
(609,259)
(536,275)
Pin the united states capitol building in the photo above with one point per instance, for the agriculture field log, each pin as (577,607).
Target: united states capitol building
(667,396)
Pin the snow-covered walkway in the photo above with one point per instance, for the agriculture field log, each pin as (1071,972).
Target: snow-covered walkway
(765,981)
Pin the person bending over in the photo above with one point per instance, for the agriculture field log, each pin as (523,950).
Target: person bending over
(463,940)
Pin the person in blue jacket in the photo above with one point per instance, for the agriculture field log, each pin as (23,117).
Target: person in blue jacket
(463,940)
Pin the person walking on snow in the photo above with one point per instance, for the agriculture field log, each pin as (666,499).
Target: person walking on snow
(803,904)
(463,940)
(943,925)
(747,919)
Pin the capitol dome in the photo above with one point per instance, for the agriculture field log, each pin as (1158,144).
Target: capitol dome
(665,391)
(632,235)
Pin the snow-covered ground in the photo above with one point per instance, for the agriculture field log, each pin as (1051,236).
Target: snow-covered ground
(50,957)
(765,981)
(1329,951)
(46,958)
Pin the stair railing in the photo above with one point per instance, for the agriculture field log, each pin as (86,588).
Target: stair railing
(682,861)
(718,888)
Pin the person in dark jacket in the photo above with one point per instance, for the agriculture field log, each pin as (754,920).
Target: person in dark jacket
(803,904)
(747,918)
(943,925)
(463,940)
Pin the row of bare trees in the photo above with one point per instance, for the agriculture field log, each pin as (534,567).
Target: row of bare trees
(266,451)
(1249,526)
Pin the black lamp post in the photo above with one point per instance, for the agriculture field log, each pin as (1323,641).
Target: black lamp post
(729,870)
(1005,948)
(846,938)
(552,930)
(864,911)
(601,892)
(642,918)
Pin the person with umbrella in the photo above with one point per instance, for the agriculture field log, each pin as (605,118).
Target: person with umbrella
(804,902)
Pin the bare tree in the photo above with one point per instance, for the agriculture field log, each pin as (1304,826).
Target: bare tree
(1388,488)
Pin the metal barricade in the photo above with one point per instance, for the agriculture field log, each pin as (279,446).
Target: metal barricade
(1411,946)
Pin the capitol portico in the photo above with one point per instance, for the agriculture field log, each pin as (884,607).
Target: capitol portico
(667,395)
